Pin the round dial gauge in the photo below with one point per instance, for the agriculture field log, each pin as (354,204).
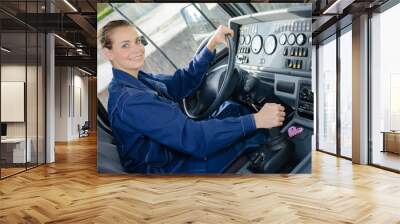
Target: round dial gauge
(247,39)
(301,39)
(241,39)
(270,44)
(282,39)
(291,39)
(256,44)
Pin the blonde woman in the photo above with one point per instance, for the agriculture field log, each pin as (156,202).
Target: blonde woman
(153,134)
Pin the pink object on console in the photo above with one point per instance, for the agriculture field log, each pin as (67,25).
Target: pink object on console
(293,131)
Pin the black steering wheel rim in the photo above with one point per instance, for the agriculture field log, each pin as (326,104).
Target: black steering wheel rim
(224,90)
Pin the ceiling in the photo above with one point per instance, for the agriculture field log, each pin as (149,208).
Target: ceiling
(331,15)
(72,20)
(75,21)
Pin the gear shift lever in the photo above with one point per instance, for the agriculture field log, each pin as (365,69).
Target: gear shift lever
(274,155)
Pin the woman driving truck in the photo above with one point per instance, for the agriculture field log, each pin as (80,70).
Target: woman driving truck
(153,134)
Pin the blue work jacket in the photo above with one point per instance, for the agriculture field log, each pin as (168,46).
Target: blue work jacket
(153,134)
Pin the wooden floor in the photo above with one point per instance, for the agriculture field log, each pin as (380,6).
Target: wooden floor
(10,171)
(71,191)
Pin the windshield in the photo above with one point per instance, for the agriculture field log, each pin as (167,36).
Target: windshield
(175,31)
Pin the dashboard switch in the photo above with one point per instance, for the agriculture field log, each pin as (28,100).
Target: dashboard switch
(305,51)
(289,63)
(285,51)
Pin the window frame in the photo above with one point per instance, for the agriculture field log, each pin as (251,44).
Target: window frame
(379,10)
(323,37)
(43,49)
(333,37)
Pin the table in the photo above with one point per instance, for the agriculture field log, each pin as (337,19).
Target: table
(17,150)
(391,141)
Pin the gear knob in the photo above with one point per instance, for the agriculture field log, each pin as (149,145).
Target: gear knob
(249,84)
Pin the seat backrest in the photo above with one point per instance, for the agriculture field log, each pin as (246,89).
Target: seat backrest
(102,112)
(102,118)
(107,154)
(108,160)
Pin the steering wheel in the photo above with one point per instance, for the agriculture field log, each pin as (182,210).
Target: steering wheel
(216,87)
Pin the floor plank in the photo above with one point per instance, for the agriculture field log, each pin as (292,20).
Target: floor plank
(71,191)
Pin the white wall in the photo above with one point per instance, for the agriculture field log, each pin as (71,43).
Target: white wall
(61,103)
(33,126)
(12,73)
(67,115)
(12,99)
(80,83)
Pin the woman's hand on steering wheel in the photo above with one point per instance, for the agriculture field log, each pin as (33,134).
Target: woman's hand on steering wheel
(219,37)
(219,82)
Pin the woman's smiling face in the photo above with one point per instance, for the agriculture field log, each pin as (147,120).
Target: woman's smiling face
(126,53)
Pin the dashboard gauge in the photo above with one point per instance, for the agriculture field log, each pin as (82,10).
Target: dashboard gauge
(270,44)
(301,39)
(247,39)
(282,39)
(241,39)
(256,44)
(291,39)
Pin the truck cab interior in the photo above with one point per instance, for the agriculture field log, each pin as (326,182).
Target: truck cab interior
(268,60)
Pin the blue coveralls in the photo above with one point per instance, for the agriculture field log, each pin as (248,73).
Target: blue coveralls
(153,134)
